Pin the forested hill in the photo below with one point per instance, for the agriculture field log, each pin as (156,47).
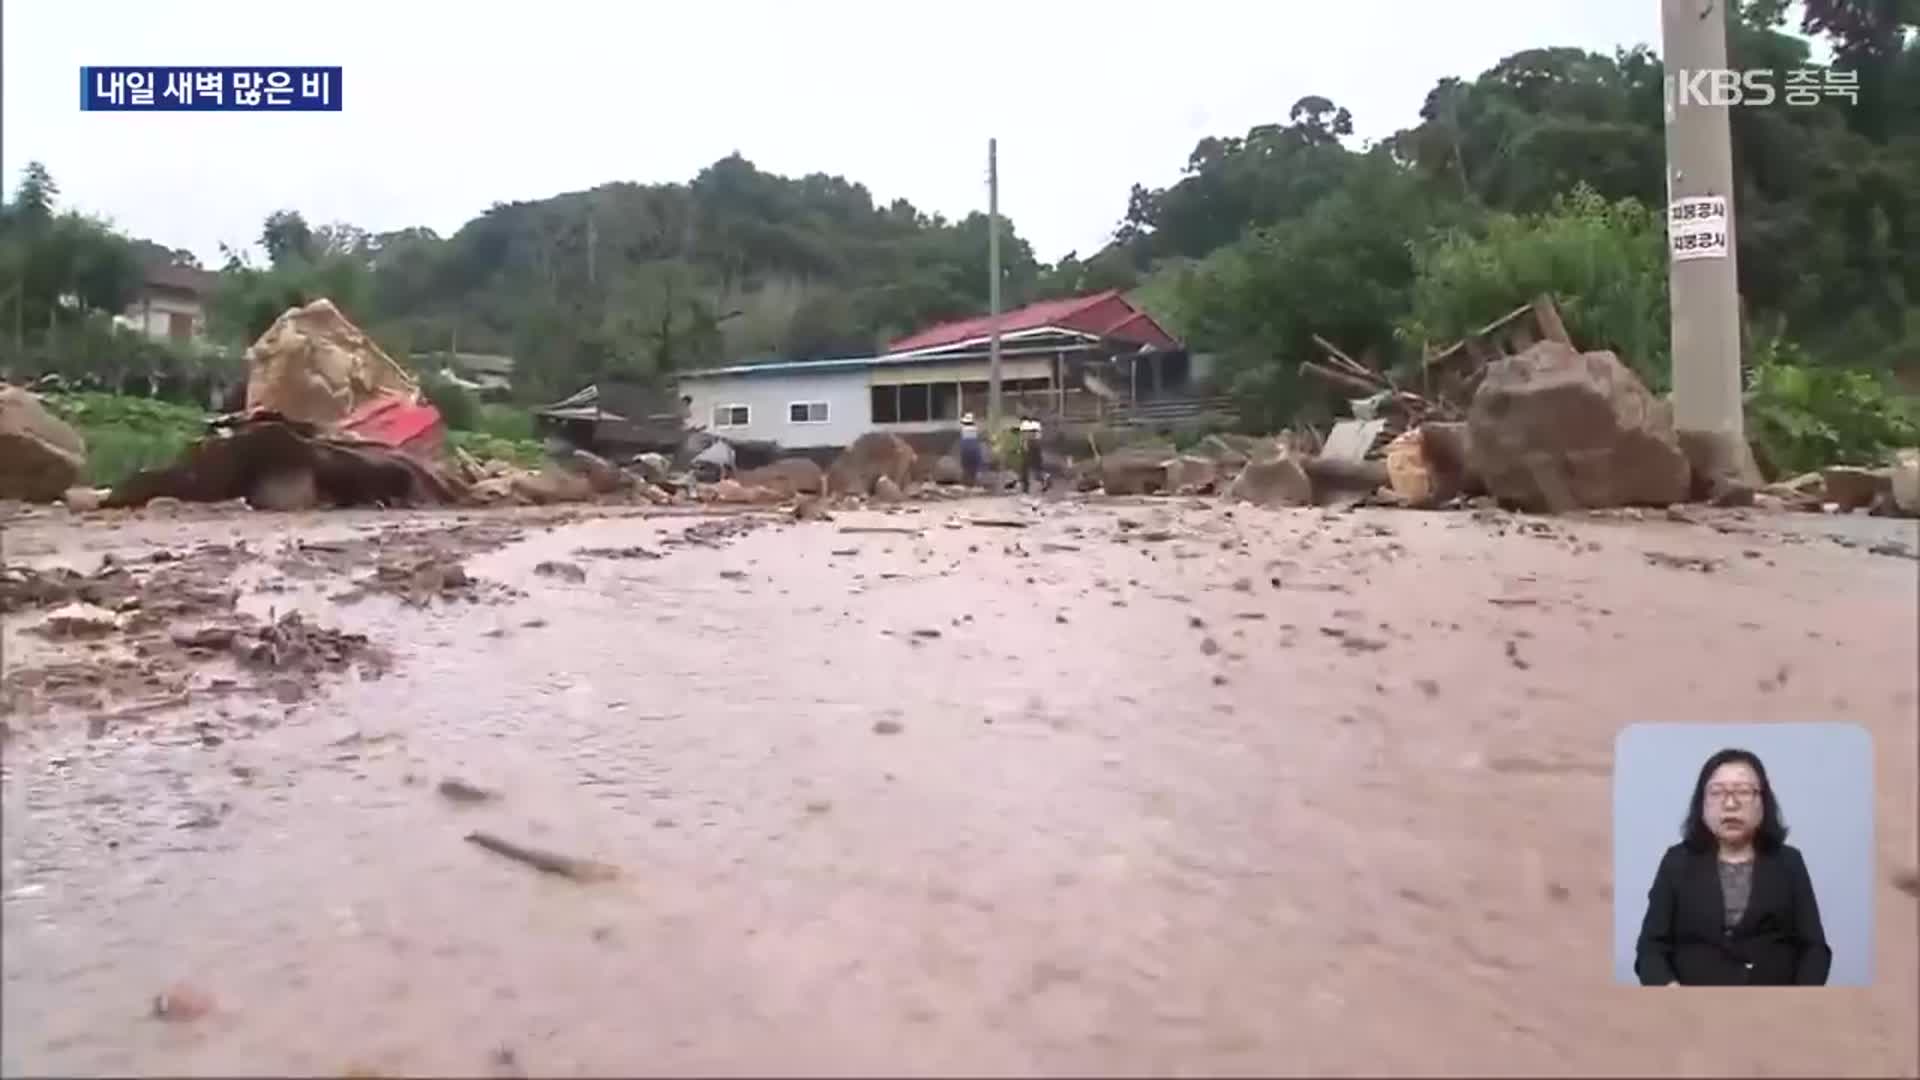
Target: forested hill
(1542,173)
(736,264)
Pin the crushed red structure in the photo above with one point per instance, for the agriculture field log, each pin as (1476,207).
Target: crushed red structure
(413,426)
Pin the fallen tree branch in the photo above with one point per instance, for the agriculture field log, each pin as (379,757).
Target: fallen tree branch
(547,862)
(1341,378)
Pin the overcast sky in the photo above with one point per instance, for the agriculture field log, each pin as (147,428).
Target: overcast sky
(450,108)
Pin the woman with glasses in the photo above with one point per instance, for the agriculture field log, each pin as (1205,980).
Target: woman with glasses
(1732,904)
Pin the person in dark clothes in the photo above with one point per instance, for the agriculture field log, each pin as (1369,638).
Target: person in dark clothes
(1732,904)
(1032,468)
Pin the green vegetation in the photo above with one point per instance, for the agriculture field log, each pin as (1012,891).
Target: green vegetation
(127,434)
(487,447)
(1543,173)
(1807,415)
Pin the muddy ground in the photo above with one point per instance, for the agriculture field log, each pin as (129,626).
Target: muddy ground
(1142,787)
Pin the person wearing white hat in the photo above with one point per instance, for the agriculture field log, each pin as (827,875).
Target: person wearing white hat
(1031,466)
(971,456)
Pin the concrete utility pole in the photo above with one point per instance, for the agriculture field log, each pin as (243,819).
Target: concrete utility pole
(1703,273)
(993,287)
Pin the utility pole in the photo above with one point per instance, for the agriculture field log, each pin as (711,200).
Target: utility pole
(993,287)
(1703,273)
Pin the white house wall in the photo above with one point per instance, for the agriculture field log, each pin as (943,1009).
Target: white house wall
(150,315)
(849,406)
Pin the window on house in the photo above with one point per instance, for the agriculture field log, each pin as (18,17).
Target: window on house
(946,401)
(807,412)
(179,325)
(731,416)
(916,404)
(886,404)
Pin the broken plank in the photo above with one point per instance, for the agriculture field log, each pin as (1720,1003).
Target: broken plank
(1342,360)
(891,530)
(998,523)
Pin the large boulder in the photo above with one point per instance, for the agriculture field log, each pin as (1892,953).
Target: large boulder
(1278,481)
(652,468)
(1854,488)
(315,366)
(1135,470)
(1233,451)
(41,456)
(1906,483)
(947,470)
(1192,475)
(551,485)
(1554,429)
(789,476)
(872,456)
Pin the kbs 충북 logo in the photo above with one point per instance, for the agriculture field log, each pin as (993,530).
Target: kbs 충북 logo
(210,89)
(1760,86)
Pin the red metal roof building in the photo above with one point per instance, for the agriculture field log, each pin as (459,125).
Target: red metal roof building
(1107,315)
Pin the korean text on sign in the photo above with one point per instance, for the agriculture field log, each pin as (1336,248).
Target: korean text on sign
(197,89)
(1697,227)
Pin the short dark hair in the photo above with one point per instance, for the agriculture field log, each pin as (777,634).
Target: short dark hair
(1772,833)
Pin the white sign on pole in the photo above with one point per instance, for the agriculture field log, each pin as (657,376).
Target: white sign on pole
(1697,227)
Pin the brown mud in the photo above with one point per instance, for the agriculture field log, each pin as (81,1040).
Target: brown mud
(1140,787)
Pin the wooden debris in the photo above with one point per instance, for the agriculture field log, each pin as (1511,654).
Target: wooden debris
(892,530)
(547,862)
(998,523)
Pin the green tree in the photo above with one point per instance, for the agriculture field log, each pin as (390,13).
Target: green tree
(1604,262)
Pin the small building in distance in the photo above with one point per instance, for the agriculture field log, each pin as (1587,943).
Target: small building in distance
(1080,360)
(171,304)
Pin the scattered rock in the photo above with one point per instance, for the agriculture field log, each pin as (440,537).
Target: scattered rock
(1553,429)
(565,571)
(78,620)
(1696,563)
(1279,481)
(182,1003)
(82,500)
(887,727)
(885,490)
(458,790)
(789,476)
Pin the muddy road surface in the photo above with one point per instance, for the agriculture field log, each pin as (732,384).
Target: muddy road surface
(1144,788)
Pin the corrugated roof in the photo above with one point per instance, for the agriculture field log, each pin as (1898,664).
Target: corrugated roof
(1105,314)
(187,278)
(858,363)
